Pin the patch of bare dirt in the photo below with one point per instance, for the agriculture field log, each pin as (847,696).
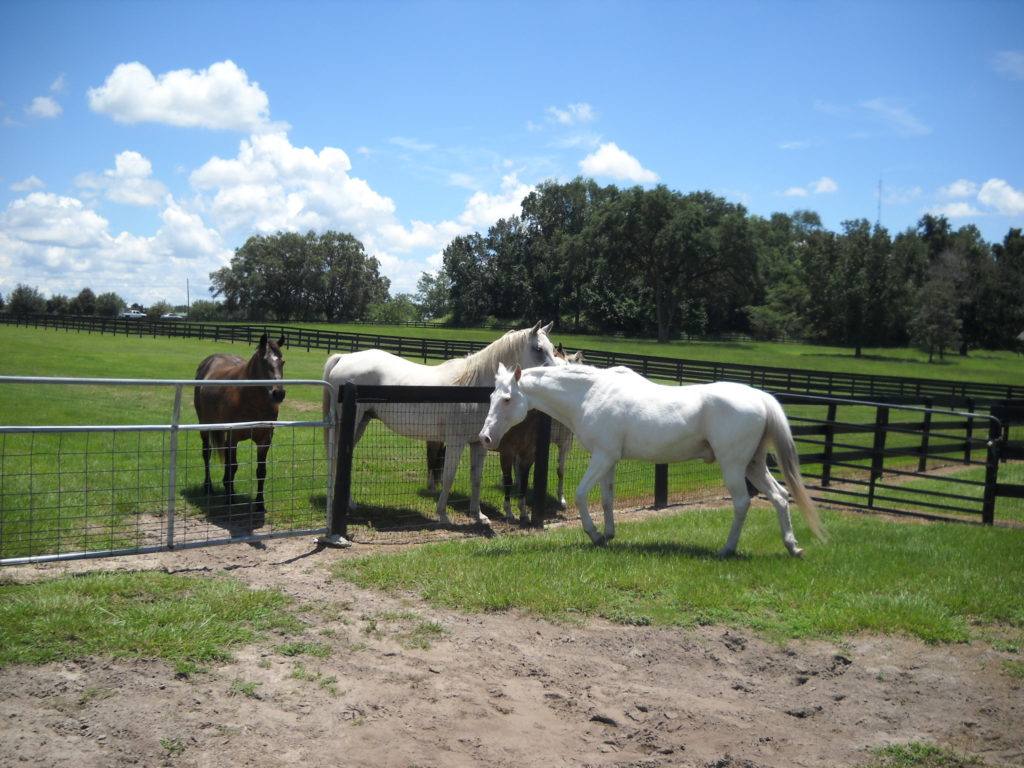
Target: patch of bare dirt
(495,690)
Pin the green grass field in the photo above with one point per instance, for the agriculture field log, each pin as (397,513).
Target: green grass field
(115,483)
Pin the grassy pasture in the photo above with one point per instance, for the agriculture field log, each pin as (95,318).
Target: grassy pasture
(937,582)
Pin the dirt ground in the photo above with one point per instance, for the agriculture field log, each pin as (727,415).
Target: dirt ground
(500,689)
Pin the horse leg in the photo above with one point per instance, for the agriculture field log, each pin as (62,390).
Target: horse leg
(736,482)
(262,449)
(452,455)
(230,468)
(522,487)
(477,454)
(435,464)
(759,476)
(207,482)
(599,466)
(608,503)
(507,462)
(563,457)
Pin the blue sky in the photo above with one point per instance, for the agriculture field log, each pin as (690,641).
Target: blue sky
(142,142)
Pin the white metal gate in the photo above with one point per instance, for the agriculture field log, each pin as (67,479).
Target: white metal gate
(98,489)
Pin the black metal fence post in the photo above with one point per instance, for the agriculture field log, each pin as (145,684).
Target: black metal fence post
(660,486)
(995,443)
(878,451)
(344,440)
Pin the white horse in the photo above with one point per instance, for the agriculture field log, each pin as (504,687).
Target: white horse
(617,414)
(454,424)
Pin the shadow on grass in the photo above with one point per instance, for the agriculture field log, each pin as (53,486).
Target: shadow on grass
(239,519)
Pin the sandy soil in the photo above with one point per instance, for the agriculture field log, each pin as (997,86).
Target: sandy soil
(495,690)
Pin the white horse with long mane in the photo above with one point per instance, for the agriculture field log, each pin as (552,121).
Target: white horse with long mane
(617,414)
(454,424)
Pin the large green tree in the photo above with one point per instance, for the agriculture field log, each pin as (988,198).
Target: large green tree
(302,277)
(693,253)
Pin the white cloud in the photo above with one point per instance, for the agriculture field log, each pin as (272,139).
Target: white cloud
(31,184)
(1009,63)
(824,186)
(573,114)
(46,219)
(898,118)
(997,195)
(72,247)
(616,163)
(43,106)
(957,210)
(128,183)
(1003,197)
(959,188)
(60,84)
(793,145)
(220,97)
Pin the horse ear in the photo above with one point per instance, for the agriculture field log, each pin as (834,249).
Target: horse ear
(280,342)
(517,372)
(561,352)
(502,370)
(263,340)
(547,328)
(536,327)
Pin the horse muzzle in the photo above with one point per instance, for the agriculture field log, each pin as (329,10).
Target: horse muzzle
(277,395)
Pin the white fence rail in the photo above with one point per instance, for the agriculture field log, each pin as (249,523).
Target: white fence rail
(98,489)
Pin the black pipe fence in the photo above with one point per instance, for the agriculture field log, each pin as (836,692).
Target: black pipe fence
(940,393)
(905,460)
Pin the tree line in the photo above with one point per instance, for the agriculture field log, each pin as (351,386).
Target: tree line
(646,262)
(657,262)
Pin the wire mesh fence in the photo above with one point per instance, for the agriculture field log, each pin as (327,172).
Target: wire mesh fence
(136,485)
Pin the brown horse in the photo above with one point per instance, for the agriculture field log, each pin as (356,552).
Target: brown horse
(518,452)
(224,405)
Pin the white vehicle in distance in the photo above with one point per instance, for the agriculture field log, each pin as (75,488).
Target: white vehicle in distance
(132,314)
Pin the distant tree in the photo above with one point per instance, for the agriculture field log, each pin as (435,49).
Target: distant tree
(204,311)
(25,300)
(157,309)
(57,304)
(84,303)
(394,310)
(109,305)
(432,295)
(683,248)
(465,264)
(303,277)
(935,326)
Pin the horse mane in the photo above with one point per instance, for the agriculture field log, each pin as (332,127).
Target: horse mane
(479,367)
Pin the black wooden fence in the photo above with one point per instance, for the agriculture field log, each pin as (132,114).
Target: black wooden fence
(906,460)
(961,395)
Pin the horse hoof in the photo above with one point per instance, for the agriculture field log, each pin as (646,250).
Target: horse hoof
(796,552)
(724,553)
(599,541)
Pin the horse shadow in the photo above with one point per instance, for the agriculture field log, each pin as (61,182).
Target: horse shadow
(239,519)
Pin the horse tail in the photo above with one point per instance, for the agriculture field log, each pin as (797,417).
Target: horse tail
(781,437)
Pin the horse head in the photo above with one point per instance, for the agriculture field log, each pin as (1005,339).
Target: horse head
(269,364)
(508,406)
(539,350)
